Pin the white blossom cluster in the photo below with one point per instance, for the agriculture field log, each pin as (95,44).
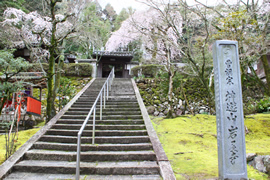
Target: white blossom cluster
(32,28)
(147,26)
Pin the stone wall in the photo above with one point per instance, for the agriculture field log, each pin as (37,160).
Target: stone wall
(156,100)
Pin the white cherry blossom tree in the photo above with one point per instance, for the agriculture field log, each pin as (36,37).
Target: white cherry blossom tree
(35,31)
(157,36)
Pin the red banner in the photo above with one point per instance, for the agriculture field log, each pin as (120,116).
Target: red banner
(33,106)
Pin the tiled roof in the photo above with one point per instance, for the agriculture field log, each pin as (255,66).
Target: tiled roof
(27,76)
(115,53)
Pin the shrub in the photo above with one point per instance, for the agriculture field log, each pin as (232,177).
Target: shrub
(66,92)
(250,106)
(37,68)
(263,105)
(150,70)
(81,69)
(72,69)
(85,69)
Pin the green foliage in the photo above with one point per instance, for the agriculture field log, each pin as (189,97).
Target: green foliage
(253,105)
(249,106)
(177,80)
(93,32)
(263,105)
(72,69)
(233,25)
(150,70)
(25,5)
(18,4)
(10,138)
(33,5)
(23,137)
(123,15)
(66,92)
(248,25)
(37,68)
(135,47)
(109,12)
(80,69)
(10,66)
(7,88)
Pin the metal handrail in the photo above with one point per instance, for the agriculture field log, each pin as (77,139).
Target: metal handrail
(102,96)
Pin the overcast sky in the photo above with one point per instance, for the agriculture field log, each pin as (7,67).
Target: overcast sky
(118,5)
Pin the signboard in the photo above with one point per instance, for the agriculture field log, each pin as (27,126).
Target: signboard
(229,111)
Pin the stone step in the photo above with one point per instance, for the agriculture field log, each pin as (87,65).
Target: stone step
(90,147)
(98,140)
(112,122)
(104,117)
(87,105)
(107,109)
(92,91)
(88,96)
(99,127)
(122,90)
(98,168)
(113,102)
(43,176)
(90,156)
(105,113)
(121,95)
(88,133)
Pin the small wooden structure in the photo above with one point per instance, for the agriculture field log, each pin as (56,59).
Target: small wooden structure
(120,60)
(23,103)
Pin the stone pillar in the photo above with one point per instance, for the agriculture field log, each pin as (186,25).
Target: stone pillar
(229,111)
(94,65)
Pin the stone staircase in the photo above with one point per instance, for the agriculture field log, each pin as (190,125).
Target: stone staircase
(122,148)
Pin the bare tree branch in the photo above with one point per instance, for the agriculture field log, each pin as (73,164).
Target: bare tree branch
(209,7)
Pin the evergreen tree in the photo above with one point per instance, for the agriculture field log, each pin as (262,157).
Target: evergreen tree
(9,67)
(123,15)
(4,4)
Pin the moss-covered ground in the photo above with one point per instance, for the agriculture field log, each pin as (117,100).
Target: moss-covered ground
(23,137)
(191,145)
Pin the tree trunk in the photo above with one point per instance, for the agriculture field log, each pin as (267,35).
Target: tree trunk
(170,94)
(51,72)
(267,73)
(50,83)
(57,78)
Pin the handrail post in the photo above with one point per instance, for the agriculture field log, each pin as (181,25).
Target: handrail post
(94,123)
(78,157)
(100,106)
(107,90)
(104,99)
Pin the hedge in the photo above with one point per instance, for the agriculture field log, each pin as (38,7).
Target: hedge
(149,70)
(80,69)
(72,69)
